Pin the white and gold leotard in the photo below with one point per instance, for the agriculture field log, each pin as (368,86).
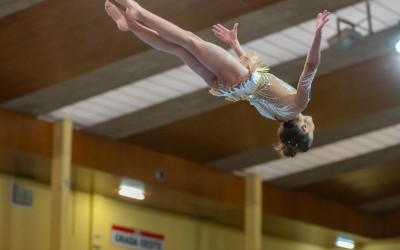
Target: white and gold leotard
(257,91)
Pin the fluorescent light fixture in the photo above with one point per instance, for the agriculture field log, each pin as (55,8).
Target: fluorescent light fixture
(131,192)
(398,47)
(344,242)
(131,189)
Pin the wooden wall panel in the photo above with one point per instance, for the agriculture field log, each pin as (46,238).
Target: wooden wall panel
(360,186)
(135,162)
(304,207)
(24,133)
(390,225)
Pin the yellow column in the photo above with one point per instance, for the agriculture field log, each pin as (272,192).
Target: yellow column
(61,185)
(253,212)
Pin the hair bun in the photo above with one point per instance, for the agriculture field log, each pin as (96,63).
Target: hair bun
(289,150)
(286,150)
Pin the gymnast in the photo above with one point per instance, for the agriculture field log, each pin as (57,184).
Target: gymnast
(235,79)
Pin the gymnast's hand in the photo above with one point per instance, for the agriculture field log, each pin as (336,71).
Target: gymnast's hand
(225,35)
(322,19)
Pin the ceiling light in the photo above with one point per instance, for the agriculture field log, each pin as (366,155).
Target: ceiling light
(398,46)
(344,242)
(131,189)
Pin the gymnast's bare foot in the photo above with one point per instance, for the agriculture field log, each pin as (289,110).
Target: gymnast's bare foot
(133,9)
(117,15)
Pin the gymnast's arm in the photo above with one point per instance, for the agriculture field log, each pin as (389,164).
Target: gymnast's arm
(313,58)
(229,37)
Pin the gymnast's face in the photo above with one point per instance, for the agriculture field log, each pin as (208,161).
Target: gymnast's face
(306,125)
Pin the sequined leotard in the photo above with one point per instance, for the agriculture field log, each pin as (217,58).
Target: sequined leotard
(256,90)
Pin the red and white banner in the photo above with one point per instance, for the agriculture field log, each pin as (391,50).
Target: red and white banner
(136,239)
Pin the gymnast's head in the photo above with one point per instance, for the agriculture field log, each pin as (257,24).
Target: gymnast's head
(295,136)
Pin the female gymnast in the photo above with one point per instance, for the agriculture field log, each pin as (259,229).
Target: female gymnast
(236,79)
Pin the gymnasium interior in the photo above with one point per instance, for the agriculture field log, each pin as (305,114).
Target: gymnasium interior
(108,144)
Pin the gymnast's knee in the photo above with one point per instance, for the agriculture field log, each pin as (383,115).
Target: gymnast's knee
(192,40)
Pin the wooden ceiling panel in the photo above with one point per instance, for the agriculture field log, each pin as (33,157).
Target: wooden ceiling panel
(57,40)
(211,135)
(354,92)
(49,44)
(361,186)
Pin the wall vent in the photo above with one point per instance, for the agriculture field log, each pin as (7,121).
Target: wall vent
(21,196)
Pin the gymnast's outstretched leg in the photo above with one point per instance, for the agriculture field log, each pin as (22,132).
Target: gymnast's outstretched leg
(213,57)
(153,39)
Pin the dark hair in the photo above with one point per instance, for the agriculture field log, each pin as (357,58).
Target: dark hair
(292,139)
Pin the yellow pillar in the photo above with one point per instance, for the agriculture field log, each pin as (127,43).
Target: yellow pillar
(61,185)
(253,212)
